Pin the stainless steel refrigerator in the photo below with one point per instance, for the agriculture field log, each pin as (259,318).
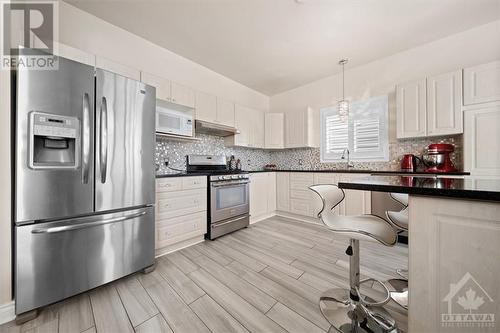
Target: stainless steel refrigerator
(83,181)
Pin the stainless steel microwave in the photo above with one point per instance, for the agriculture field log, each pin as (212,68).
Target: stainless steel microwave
(175,122)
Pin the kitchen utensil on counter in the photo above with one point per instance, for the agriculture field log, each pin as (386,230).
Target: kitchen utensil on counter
(437,158)
(409,163)
(232,164)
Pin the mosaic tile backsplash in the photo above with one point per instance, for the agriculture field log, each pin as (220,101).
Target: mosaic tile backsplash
(174,152)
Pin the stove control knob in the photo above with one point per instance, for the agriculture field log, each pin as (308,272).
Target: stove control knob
(221,177)
(234,177)
(227,177)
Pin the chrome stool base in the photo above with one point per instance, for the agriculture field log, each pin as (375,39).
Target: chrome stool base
(399,294)
(347,316)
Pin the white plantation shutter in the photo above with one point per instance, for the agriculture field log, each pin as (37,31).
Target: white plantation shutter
(365,133)
(337,138)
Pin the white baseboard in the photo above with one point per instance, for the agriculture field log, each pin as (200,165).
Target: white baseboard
(179,246)
(7,312)
(261,217)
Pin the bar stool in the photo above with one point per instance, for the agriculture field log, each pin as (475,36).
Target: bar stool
(399,220)
(348,310)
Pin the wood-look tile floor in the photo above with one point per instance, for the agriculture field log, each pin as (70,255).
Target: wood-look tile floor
(266,278)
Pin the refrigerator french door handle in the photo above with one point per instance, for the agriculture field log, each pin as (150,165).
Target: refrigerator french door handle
(104,139)
(87,224)
(85,138)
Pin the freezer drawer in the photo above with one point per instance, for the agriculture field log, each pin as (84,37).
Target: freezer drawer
(59,259)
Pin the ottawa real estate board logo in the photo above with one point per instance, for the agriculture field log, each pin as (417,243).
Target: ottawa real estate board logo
(28,32)
(468,305)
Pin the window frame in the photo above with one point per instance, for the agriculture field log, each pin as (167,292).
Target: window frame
(377,106)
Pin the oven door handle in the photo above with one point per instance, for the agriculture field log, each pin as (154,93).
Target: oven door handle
(230,221)
(230,184)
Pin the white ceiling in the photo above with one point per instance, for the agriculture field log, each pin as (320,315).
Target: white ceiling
(275,45)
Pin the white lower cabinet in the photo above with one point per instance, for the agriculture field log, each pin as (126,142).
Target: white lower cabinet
(262,195)
(283,191)
(482,141)
(294,196)
(181,211)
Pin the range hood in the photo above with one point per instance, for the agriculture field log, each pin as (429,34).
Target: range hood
(206,127)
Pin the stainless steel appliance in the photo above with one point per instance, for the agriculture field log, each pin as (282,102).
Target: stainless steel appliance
(172,121)
(83,182)
(228,194)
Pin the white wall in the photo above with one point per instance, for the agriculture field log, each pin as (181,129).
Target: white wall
(472,47)
(91,34)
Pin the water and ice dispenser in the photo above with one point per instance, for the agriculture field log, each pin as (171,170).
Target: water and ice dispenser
(54,141)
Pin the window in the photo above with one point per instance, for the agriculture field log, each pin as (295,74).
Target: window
(365,133)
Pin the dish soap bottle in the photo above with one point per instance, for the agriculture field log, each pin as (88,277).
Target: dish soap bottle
(232,163)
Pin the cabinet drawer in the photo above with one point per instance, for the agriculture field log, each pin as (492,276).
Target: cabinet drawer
(189,183)
(301,207)
(174,230)
(301,181)
(300,194)
(168,184)
(179,203)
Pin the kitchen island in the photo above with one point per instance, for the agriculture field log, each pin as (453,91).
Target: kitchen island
(454,250)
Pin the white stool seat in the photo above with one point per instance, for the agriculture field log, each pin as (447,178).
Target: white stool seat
(399,219)
(362,227)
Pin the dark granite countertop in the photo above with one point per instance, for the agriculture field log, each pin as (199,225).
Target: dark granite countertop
(383,172)
(181,174)
(468,188)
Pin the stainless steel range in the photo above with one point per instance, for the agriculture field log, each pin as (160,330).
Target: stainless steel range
(228,194)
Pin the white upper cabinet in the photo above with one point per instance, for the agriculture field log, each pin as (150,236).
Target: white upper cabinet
(162,85)
(482,141)
(482,83)
(258,129)
(118,68)
(411,109)
(444,104)
(275,130)
(430,107)
(300,127)
(250,125)
(182,95)
(206,107)
(214,109)
(225,112)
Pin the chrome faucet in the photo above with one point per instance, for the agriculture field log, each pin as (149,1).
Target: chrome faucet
(349,163)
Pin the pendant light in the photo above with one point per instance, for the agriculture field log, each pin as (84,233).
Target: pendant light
(343,105)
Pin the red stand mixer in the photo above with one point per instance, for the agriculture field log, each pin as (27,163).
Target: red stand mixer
(438,158)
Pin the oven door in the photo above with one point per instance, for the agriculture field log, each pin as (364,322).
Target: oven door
(228,199)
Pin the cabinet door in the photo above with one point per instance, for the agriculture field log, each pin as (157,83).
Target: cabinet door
(274,126)
(257,139)
(355,202)
(444,104)
(182,95)
(482,141)
(243,122)
(411,109)
(117,68)
(271,190)
(162,85)
(283,191)
(482,83)
(258,194)
(295,129)
(225,112)
(206,107)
